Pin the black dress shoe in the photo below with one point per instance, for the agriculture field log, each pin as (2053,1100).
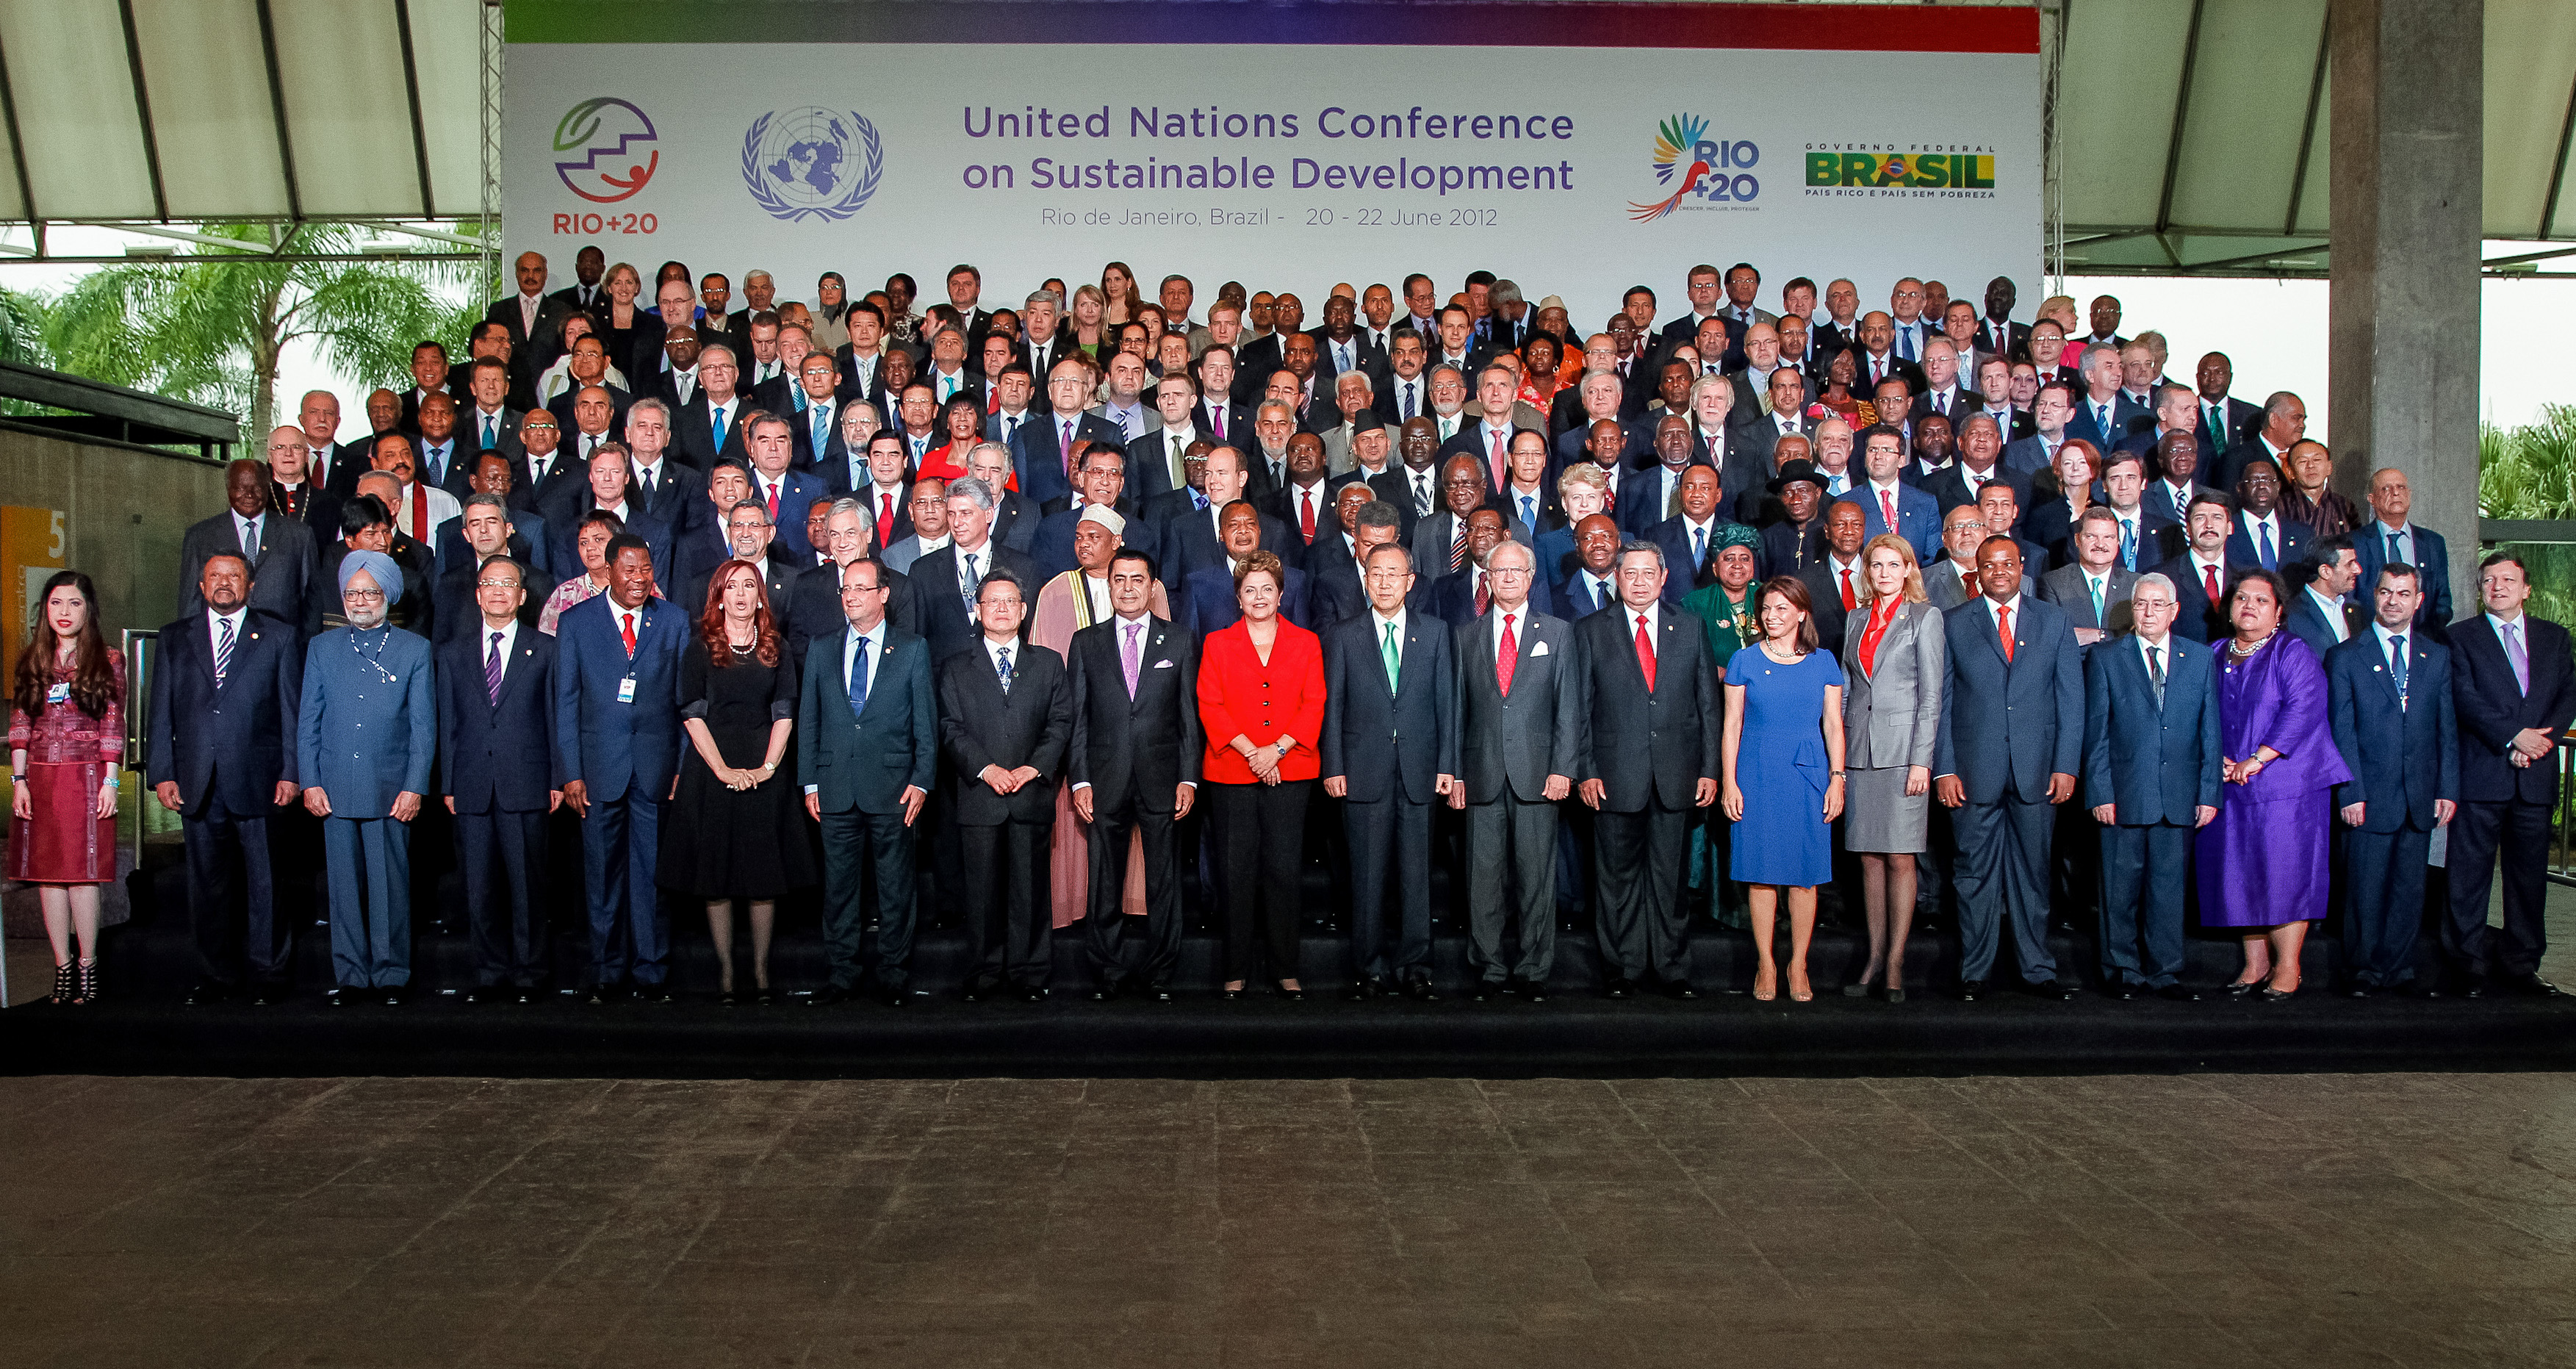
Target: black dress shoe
(2356,991)
(2535,986)
(1230,995)
(604,994)
(395,995)
(655,993)
(830,995)
(1106,992)
(1420,990)
(977,993)
(342,996)
(488,993)
(2179,993)
(1617,986)
(1033,994)
(2050,990)
(268,995)
(524,995)
(1360,990)
(1680,991)
(2471,988)
(207,992)
(1527,990)
(1155,993)
(1486,990)
(1970,990)
(895,998)
(2121,990)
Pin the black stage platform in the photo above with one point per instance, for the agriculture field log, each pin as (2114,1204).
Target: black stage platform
(145,1029)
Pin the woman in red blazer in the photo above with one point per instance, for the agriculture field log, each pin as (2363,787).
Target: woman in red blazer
(1261,696)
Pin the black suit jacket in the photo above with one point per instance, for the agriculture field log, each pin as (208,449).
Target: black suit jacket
(452,597)
(1650,743)
(238,741)
(281,582)
(1136,751)
(498,753)
(561,407)
(2492,708)
(1390,743)
(941,602)
(981,726)
(693,438)
(814,605)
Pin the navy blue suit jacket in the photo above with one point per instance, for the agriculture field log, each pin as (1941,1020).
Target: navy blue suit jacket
(2151,764)
(239,740)
(2432,570)
(608,745)
(1918,517)
(865,760)
(2293,547)
(1037,457)
(2492,708)
(2402,759)
(2007,727)
(2309,625)
(498,754)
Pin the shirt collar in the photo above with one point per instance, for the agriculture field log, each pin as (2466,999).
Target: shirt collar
(2384,635)
(1384,620)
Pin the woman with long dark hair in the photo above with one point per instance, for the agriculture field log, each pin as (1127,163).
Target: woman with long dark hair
(735,828)
(66,742)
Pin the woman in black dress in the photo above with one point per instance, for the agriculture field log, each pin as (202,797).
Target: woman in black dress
(735,830)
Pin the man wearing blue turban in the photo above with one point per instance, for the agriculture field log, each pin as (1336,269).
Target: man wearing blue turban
(364,740)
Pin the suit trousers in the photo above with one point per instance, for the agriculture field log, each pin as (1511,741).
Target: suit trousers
(1392,835)
(370,869)
(2146,872)
(505,867)
(2517,832)
(1511,845)
(1263,828)
(2384,872)
(852,842)
(1105,926)
(1641,917)
(2003,872)
(1009,930)
(621,842)
(260,945)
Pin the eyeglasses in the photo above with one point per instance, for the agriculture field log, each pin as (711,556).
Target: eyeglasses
(362,594)
(489,584)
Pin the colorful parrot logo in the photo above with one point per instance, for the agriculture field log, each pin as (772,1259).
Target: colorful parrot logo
(1674,142)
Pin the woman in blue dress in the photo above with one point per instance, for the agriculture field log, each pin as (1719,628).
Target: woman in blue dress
(1784,733)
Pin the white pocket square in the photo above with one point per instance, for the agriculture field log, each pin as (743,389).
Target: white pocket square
(1162,665)
(1538,650)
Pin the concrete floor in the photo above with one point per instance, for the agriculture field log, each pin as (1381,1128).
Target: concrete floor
(2341,1220)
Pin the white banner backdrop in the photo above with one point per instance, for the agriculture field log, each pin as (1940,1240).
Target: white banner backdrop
(1575,172)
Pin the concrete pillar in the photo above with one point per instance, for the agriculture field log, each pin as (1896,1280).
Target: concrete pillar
(2402,352)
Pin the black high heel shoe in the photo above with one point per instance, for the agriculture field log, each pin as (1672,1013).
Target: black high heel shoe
(66,985)
(1292,995)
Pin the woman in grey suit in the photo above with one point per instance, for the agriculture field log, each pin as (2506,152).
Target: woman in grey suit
(1894,659)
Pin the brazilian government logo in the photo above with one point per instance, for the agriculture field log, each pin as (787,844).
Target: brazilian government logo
(1875,170)
(608,150)
(817,163)
(1713,171)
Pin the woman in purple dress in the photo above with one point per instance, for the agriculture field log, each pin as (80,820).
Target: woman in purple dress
(2264,862)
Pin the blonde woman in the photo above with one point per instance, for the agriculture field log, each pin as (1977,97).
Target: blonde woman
(1895,658)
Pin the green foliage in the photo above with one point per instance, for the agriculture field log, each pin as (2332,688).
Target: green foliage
(210,327)
(2529,472)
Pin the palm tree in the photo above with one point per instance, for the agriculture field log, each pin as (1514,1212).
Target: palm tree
(211,325)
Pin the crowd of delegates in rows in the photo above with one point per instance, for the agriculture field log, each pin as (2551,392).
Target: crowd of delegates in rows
(1709,600)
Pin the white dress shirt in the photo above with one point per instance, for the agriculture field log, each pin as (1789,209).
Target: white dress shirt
(2329,609)
(484,633)
(239,618)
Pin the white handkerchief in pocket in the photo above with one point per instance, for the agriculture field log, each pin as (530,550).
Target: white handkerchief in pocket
(1538,650)
(1162,665)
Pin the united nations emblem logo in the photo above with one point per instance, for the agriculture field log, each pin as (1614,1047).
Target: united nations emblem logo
(819,162)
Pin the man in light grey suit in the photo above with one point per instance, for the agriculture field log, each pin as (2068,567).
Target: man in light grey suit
(2095,591)
(1521,737)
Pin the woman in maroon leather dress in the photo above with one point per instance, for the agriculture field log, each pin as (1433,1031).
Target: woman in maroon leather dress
(66,740)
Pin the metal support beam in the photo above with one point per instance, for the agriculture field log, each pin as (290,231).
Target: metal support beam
(2181,117)
(411,87)
(18,148)
(2308,126)
(143,109)
(2558,168)
(277,106)
(182,235)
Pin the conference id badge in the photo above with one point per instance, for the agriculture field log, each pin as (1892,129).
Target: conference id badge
(626,690)
(59,694)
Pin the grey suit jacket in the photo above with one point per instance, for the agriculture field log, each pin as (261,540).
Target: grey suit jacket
(1541,730)
(1893,717)
(2065,588)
